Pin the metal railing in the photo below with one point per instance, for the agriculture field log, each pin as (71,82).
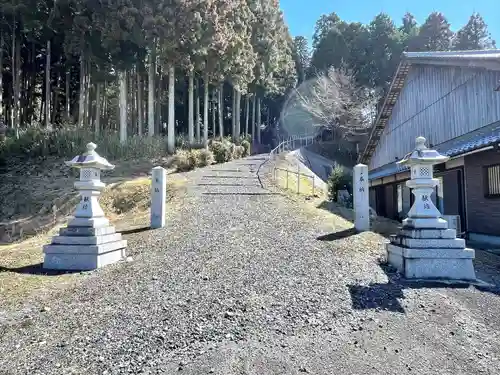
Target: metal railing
(287,145)
(297,173)
(291,143)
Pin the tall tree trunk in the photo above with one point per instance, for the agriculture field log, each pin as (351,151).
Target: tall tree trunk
(17,80)
(139,103)
(221,111)
(190,108)
(254,99)
(98,108)
(87,94)
(159,102)
(233,116)
(238,114)
(205,110)
(32,85)
(198,111)
(14,98)
(258,120)
(47,87)
(67,95)
(122,77)
(247,113)
(130,102)
(56,93)
(214,126)
(151,93)
(171,110)
(81,94)
(1,75)
(104,105)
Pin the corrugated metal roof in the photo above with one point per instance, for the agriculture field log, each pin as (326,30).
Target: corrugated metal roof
(487,59)
(488,54)
(483,137)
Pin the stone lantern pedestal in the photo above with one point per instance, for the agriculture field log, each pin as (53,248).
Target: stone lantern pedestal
(89,241)
(425,248)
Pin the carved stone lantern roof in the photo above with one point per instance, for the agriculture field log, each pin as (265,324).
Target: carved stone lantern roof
(423,155)
(90,159)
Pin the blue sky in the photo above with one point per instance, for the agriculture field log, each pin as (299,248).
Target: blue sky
(301,15)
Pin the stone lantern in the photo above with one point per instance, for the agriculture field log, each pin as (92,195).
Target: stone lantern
(89,241)
(425,248)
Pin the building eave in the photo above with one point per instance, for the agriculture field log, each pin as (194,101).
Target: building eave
(487,59)
(475,141)
(386,111)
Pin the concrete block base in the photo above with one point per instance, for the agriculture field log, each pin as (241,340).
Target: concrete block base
(81,262)
(83,248)
(432,263)
(425,223)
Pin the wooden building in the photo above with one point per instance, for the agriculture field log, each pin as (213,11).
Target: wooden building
(453,100)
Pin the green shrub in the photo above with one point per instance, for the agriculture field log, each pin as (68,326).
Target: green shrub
(338,180)
(185,160)
(238,151)
(204,157)
(244,138)
(220,151)
(225,150)
(246,145)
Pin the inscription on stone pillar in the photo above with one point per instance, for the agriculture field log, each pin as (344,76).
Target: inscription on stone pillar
(158,197)
(361,198)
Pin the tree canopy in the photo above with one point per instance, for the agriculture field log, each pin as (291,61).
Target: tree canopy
(69,56)
(351,64)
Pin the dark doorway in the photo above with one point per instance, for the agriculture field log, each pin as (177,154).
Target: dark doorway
(453,194)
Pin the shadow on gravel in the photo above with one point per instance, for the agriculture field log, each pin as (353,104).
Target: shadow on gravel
(338,235)
(377,296)
(35,269)
(227,170)
(387,296)
(240,193)
(238,177)
(135,230)
(225,185)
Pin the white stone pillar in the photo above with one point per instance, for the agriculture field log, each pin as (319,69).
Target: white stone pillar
(361,198)
(158,197)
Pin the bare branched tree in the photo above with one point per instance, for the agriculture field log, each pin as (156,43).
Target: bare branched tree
(336,102)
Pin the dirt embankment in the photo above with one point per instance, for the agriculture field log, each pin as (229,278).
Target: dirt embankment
(37,195)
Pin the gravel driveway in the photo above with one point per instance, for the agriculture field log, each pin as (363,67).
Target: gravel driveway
(239,283)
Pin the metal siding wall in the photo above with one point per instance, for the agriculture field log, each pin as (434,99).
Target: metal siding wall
(426,108)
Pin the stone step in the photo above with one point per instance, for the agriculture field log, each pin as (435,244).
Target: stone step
(81,262)
(84,249)
(86,240)
(428,243)
(465,253)
(86,231)
(425,223)
(94,222)
(435,264)
(429,233)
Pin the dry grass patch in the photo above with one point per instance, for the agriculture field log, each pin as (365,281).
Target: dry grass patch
(303,184)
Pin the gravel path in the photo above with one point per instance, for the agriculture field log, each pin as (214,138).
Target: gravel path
(239,283)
